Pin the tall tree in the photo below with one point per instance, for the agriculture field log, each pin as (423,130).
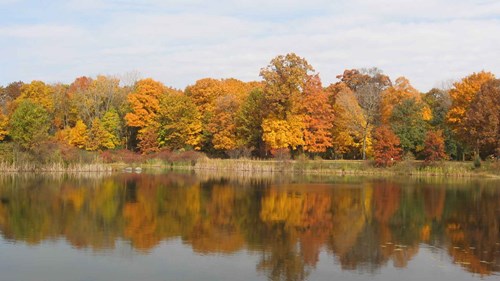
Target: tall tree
(318,116)
(368,85)
(65,113)
(222,125)
(462,94)
(349,122)
(285,80)
(144,103)
(249,121)
(439,101)
(483,119)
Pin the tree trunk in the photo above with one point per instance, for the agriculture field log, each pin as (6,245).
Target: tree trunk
(364,147)
(365,135)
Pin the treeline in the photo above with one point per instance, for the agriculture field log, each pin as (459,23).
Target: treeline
(363,115)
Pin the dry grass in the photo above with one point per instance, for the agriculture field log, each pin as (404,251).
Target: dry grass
(343,167)
(54,167)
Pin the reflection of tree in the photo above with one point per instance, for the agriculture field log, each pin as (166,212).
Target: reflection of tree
(298,223)
(350,214)
(434,202)
(282,261)
(473,229)
(219,232)
(409,219)
(288,225)
(387,199)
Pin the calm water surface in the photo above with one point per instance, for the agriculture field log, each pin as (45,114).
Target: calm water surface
(186,227)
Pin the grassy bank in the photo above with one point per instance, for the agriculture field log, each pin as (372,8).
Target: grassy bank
(52,157)
(349,167)
(55,167)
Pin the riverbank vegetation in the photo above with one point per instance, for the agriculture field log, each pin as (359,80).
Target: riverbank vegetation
(287,117)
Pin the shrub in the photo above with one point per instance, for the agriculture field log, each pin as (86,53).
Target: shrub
(434,147)
(387,148)
(477,161)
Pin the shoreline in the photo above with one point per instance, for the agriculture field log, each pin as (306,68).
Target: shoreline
(312,167)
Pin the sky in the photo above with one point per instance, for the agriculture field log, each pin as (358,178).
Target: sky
(431,42)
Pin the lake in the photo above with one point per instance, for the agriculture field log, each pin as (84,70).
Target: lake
(177,226)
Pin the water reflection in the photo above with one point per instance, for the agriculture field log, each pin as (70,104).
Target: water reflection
(364,225)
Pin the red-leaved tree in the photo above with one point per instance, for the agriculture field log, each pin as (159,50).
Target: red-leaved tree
(434,149)
(387,148)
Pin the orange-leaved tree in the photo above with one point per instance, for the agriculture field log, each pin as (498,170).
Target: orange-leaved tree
(387,148)
(462,94)
(318,116)
(396,94)
(145,105)
(218,101)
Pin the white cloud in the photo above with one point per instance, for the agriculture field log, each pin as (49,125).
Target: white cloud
(426,41)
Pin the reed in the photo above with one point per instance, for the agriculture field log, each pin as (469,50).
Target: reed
(54,167)
(345,167)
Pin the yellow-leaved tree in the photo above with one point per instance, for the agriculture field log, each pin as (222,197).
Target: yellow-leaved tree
(38,92)
(77,135)
(179,122)
(4,124)
(349,122)
(285,79)
(287,133)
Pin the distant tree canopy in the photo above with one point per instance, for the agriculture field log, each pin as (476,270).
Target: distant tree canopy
(290,110)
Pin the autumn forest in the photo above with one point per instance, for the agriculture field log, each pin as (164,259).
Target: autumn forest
(364,115)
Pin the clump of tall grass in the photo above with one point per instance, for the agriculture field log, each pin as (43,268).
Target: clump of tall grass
(49,157)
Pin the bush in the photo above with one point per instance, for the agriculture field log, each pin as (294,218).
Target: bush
(434,147)
(121,155)
(387,148)
(477,161)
